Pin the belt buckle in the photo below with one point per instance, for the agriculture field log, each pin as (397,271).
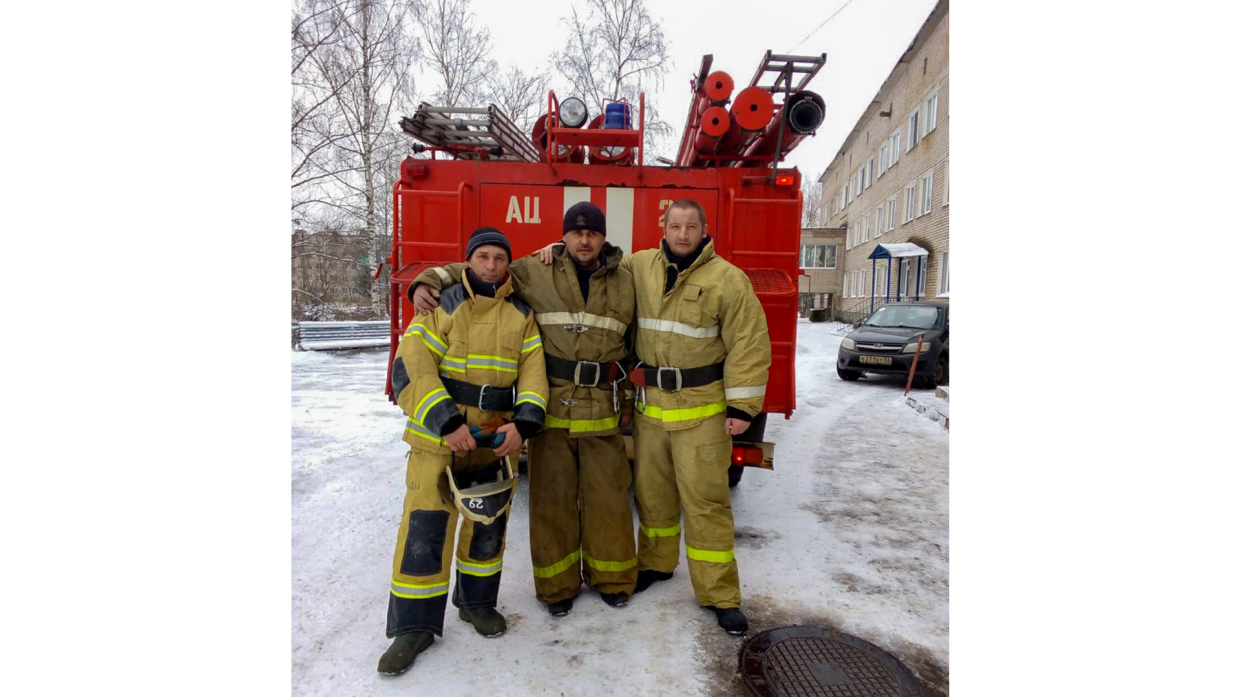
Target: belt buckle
(659,379)
(482,394)
(598,373)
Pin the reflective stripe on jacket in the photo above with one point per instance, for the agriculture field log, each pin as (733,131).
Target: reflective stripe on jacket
(479,340)
(599,328)
(711,315)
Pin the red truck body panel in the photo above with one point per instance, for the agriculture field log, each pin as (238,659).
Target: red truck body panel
(756,226)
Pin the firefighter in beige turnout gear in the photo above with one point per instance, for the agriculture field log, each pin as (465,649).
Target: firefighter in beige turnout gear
(704,357)
(477,359)
(581,522)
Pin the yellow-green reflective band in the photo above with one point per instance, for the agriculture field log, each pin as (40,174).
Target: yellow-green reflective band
(479,569)
(428,337)
(661,532)
(707,555)
(610,565)
(533,398)
(582,425)
(684,414)
(418,590)
(531,343)
(506,365)
(419,413)
(421,431)
(559,567)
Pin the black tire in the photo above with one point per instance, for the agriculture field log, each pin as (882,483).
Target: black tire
(939,377)
(734,475)
(849,375)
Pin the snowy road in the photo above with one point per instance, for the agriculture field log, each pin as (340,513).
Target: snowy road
(849,532)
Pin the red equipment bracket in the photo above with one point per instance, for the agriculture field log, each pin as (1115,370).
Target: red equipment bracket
(598,137)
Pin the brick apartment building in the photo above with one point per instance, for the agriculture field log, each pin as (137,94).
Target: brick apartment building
(888,184)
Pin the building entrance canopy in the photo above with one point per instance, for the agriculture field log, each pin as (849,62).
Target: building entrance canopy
(895,250)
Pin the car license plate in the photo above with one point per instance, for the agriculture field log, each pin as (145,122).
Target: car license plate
(876,360)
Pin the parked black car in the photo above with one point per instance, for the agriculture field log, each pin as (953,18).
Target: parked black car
(886,341)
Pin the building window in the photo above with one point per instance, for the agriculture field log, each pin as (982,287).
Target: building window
(865,228)
(910,275)
(932,111)
(869,172)
(881,212)
(910,201)
(927,192)
(913,134)
(847,286)
(883,151)
(947,183)
(921,282)
(818,256)
(891,213)
(944,276)
(895,147)
(902,278)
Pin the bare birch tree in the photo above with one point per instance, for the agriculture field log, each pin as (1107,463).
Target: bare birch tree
(457,50)
(522,96)
(616,50)
(352,77)
(811,201)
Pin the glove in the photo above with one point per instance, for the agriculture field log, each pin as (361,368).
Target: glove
(485,435)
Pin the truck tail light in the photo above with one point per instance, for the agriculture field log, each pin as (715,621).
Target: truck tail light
(746,455)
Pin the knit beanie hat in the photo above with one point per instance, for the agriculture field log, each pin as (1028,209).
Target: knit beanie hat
(484,236)
(584,216)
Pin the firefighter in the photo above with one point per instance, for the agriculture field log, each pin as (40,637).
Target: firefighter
(581,521)
(704,353)
(476,362)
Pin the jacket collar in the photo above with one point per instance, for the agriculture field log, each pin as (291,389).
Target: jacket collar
(504,290)
(707,251)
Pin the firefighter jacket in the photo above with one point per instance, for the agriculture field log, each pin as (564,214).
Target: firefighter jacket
(599,329)
(711,315)
(476,339)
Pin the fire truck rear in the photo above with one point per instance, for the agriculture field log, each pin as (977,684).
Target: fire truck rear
(482,171)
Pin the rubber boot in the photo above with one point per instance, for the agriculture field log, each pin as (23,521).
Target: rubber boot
(404,648)
(732,620)
(486,620)
(561,608)
(616,599)
(645,577)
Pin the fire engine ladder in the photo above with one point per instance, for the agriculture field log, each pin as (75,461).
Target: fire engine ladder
(470,133)
(783,68)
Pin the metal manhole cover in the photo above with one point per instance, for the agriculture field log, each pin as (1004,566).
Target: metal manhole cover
(820,662)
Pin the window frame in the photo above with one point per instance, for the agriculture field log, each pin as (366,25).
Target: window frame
(892,209)
(945,279)
(931,112)
(895,148)
(834,257)
(926,202)
(914,129)
(910,201)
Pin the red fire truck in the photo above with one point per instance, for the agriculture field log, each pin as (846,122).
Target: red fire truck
(482,171)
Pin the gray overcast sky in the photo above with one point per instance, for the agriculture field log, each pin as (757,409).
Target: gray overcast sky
(862,44)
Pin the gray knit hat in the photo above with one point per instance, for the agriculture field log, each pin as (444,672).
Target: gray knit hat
(484,236)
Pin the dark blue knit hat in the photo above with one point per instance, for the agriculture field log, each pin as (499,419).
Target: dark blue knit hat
(585,216)
(484,236)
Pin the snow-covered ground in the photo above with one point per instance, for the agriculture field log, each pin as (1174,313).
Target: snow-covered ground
(849,532)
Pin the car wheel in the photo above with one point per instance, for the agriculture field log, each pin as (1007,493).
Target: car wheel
(939,377)
(848,375)
(734,475)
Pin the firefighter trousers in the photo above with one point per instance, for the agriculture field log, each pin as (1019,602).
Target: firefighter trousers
(423,559)
(687,469)
(581,522)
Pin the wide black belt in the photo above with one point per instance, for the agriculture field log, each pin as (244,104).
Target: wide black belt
(485,397)
(675,379)
(586,373)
